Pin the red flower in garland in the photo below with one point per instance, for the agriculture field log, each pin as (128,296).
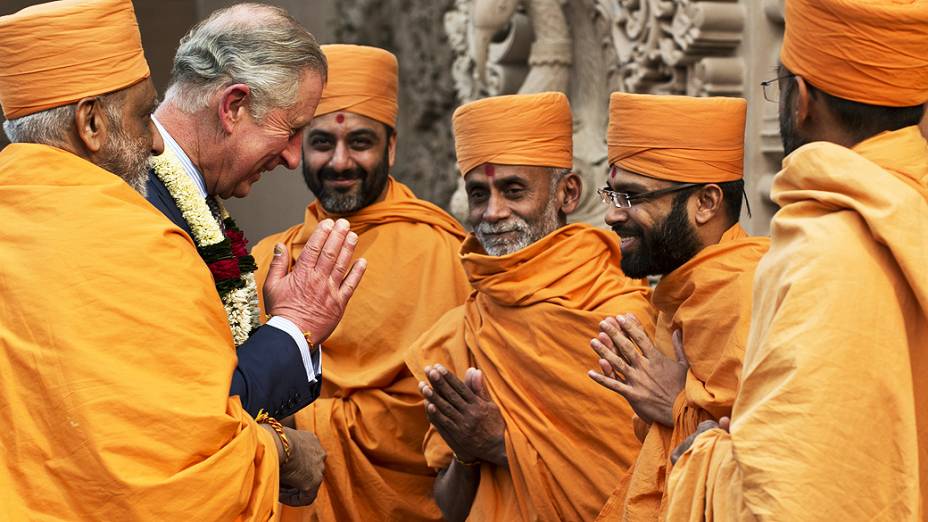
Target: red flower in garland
(239,243)
(225,269)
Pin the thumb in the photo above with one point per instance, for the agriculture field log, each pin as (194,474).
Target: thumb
(677,339)
(477,385)
(278,267)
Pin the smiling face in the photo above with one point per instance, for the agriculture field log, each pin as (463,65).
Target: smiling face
(254,147)
(511,207)
(347,160)
(657,235)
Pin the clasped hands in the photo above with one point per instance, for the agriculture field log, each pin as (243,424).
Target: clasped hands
(464,415)
(315,293)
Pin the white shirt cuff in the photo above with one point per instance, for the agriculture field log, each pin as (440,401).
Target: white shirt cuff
(312,362)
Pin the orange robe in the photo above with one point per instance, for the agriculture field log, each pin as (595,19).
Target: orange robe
(831,421)
(709,299)
(116,361)
(369,416)
(528,328)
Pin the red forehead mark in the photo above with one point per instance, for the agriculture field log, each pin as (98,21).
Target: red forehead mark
(489,170)
(340,118)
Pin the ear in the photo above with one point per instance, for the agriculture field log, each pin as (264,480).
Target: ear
(90,123)
(391,150)
(708,203)
(802,102)
(233,105)
(568,193)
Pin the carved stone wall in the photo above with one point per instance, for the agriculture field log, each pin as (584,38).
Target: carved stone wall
(589,48)
(414,31)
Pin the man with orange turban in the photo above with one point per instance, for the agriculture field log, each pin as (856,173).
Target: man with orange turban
(831,419)
(509,433)
(115,396)
(674,193)
(369,415)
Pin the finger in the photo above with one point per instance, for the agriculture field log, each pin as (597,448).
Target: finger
(636,333)
(310,253)
(607,341)
(725,423)
(443,404)
(456,384)
(424,390)
(608,370)
(677,339)
(343,261)
(443,389)
(479,385)
(611,384)
(609,356)
(333,245)
(351,281)
(278,267)
(438,419)
(624,346)
(681,449)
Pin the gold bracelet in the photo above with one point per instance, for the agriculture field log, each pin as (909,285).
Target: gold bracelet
(264,418)
(471,464)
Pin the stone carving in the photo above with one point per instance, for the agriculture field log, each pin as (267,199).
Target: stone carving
(589,48)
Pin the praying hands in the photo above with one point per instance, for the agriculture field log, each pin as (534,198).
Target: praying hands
(464,415)
(635,369)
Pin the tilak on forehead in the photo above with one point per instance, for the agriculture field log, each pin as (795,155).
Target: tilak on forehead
(489,170)
(340,118)
(362,80)
(524,129)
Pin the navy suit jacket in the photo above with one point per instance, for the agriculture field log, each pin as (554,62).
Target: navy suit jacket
(270,375)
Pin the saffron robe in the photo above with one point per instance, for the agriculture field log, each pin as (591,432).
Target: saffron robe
(370,417)
(116,360)
(831,420)
(528,328)
(708,298)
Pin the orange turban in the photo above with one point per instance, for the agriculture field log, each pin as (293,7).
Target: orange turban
(872,52)
(57,53)
(677,138)
(522,129)
(362,80)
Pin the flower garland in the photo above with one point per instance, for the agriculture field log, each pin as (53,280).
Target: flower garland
(225,251)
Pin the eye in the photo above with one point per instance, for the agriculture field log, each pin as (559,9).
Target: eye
(360,143)
(476,195)
(514,192)
(320,143)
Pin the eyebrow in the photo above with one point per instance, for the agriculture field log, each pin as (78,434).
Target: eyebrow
(630,185)
(365,133)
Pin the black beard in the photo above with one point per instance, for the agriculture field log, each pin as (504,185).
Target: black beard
(336,202)
(666,248)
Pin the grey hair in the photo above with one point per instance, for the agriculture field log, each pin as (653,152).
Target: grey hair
(557,174)
(258,45)
(52,126)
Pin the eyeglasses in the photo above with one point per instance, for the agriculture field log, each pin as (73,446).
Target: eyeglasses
(772,88)
(623,200)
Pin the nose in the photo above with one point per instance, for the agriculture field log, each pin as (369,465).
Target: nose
(292,152)
(157,144)
(341,159)
(616,216)
(497,209)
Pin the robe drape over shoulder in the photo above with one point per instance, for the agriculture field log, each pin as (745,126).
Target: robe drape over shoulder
(116,359)
(831,420)
(709,299)
(370,417)
(528,328)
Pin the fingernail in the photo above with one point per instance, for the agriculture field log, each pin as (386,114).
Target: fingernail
(621,319)
(603,324)
(362,262)
(352,238)
(326,224)
(342,224)
(278,250)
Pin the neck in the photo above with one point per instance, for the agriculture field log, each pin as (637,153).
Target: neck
(192,134)
(711,233)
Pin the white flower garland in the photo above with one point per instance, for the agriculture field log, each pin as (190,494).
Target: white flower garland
(241,304)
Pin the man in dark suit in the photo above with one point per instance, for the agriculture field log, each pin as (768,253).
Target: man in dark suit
(236,106)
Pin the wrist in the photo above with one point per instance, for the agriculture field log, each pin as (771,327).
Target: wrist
(278,445)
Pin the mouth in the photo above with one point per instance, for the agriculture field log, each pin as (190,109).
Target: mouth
(628,242)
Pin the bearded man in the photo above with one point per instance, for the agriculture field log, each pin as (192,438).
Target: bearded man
(674,194)
(117,353)
(499,373)
(245,83)
(831,418)
(369,415)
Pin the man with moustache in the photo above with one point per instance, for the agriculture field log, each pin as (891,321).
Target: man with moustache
(499,373)
(369,416)
(831,419)
(674,194)
(117,353)
(244,84)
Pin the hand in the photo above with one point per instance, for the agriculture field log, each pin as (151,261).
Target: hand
(464,415)
(723,423)
(649,380)
(315,293)
(301,476)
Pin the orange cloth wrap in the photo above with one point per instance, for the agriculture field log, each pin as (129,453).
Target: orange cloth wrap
(708,298)
(114,386)
(521,129)
(831,420)
(362,80)
(528,328)
(872,52)
(370,418)
(677,138)
(57,53)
